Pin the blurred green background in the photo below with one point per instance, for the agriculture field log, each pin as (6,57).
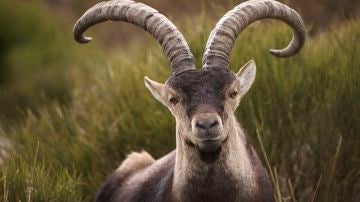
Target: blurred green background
(70,113)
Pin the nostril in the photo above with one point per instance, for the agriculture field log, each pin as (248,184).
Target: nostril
(206,124)
(200,126)
(214,124)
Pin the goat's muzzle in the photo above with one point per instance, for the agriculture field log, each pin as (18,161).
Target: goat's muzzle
(207,129)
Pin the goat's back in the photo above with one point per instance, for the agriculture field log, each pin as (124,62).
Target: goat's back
(140,178)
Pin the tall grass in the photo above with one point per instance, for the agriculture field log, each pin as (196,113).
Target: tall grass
(304,109)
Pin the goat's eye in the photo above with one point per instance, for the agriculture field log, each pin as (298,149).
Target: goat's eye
(174,100)
(233,94)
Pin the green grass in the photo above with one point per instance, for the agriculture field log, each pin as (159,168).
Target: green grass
(304,109)
(37,58)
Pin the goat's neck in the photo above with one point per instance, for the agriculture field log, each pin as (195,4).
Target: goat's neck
(231,174)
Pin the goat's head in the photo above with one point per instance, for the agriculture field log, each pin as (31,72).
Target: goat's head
(202,101)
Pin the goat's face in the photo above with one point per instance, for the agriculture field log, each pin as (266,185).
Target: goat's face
(203,102)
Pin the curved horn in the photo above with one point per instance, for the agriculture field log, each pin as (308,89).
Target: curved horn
(164,31)
(223,36)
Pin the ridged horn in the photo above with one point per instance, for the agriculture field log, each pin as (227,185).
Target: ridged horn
(161,28)
(223,36)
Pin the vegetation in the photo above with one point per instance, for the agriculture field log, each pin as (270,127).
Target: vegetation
(304,109)
(37,58)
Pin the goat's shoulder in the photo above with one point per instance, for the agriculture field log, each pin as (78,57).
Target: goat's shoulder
(138,178)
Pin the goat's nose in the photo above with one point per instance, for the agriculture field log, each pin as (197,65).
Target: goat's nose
(206,124)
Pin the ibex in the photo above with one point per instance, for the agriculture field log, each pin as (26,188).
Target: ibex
(213,159)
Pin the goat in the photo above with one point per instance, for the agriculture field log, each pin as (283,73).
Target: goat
(213,159)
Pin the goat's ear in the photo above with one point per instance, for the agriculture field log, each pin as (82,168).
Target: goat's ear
(157,89)
(246,75)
